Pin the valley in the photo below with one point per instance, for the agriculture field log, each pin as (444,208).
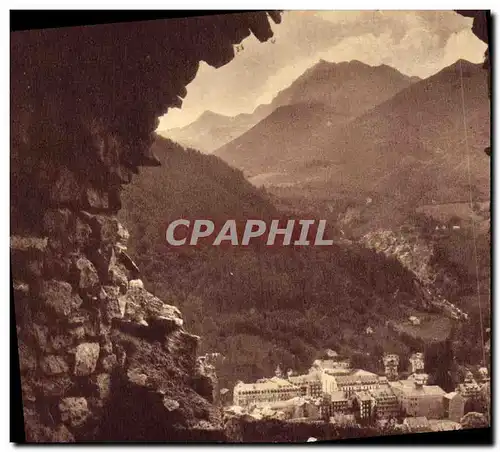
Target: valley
(391,179)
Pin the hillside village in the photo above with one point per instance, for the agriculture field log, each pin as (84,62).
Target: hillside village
(334,392)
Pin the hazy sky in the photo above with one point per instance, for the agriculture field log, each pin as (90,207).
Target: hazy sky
(414,42)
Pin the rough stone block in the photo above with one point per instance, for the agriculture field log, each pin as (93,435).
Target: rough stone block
(74,411)
(27,254)
(77,333)
(59,296)
(170,404)
(109,362)
(85,275)
(36,245)
(54,365)
(82,233)
(86,357)
(140,304)
(122,234)
(94,198)
(135,283)
(137,378)
(103,385)
(118,276)
(114,305)
(61,342)
(105,228)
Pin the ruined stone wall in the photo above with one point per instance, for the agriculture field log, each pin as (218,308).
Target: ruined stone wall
(100,357)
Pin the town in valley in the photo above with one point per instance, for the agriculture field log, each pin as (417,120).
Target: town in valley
(334,392)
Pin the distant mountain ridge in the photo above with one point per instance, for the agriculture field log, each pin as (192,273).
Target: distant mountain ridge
(409,150)
(339,92)
(324,83)
(210,130)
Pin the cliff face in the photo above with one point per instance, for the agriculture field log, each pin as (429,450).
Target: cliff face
(100,357)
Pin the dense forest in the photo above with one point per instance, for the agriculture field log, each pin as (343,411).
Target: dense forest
(257,306)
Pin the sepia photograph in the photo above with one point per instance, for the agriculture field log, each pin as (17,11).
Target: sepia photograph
(251,226)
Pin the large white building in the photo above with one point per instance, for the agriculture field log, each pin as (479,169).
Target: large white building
(333,365)
(417,399)
(271,390)
(310,384)
(391,363)
(350,382)
(417,363)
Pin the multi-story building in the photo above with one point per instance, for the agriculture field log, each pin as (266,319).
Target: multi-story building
(454,406)
(386,404)
(484,376)
(358,380)
(354,380)
(271,390)
(334,365)
(295,408)
(363,404)
(391,363)
(334,403)
(469,388)
(309,384)
(418,400)
(417,362)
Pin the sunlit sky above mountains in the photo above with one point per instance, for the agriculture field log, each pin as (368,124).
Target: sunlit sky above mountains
(417,43)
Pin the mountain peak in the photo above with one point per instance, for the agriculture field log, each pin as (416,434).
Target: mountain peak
(464,67)
(209,114)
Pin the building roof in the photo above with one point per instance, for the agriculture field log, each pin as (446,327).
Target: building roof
(380,393)
(363,395)
(329,363)
(410,389)
(279,405)
(357,377)
(271,383)
(338,371)
(310,377)
(362,372)
(468,387)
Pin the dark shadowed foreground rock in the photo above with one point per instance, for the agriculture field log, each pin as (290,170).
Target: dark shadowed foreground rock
(105,360)
(100,357)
